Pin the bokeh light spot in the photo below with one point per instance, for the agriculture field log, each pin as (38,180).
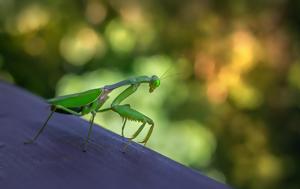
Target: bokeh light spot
(121,39)
(95,12)
(244,48)
(200,141)
(80,47)
(245,96)
(269,168)
(32,18)
(216,92)
(153,65)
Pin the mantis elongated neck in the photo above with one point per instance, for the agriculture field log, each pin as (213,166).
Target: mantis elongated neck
(130,81)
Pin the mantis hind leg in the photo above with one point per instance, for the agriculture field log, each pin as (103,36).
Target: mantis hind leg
(42,128)
(90,131)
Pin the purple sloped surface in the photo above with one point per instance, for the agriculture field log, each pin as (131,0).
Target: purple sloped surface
(56,159)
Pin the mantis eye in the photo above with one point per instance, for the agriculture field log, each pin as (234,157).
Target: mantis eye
(157,83)
(154,84)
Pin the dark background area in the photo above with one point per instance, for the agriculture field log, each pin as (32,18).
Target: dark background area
(229,101)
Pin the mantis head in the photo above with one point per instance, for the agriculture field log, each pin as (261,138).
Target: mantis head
(154,83)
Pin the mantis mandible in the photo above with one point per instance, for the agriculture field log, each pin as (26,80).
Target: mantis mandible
(91,101)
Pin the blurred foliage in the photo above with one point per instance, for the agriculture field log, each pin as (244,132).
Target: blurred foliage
(230,103)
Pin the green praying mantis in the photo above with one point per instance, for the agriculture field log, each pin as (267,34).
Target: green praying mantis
(91,101)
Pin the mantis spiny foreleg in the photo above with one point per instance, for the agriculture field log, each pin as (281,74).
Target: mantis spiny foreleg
(148,135)
(126,112)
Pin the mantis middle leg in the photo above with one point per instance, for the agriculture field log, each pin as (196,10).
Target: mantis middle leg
(41,129)
(90,131)
(53,108)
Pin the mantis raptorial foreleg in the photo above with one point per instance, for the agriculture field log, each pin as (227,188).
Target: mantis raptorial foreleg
(148,135)
(134,136)
(127,112)
(137,132)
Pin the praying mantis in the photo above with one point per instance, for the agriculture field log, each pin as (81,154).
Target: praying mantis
(91,101)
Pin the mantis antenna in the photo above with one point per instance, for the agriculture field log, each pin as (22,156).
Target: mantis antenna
(170,75)
(165,75)
(161,76)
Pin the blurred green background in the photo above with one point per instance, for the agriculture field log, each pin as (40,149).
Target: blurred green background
(229,105)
